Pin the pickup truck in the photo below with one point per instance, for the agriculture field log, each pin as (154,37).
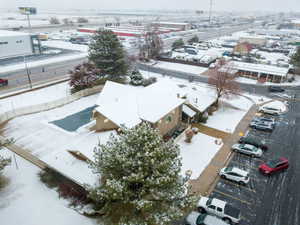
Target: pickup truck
(220,209)
(3,82)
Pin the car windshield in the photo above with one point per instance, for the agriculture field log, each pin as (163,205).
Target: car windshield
(200,219)
(273,163)
(209,201)
(228,169)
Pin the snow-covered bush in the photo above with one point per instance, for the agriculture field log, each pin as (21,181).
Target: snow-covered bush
(84,76)
(149,81)
(136,78)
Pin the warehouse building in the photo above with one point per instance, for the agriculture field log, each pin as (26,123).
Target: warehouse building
(13,44)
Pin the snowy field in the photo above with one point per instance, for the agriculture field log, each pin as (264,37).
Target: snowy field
(197,154)
(181,67)
(27,201)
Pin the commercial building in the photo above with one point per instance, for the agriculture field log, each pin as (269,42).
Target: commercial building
(261,72)
(253,40)
(179,26)
(13,44)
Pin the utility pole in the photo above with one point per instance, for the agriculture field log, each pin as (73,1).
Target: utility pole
(29,24)
(27,71)
(210,9)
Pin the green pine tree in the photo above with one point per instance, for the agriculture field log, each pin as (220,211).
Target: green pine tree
(107,53)
(178,44)
(140,179)
(295,60)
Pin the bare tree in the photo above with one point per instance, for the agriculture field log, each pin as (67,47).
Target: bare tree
(222,78)
(150,42)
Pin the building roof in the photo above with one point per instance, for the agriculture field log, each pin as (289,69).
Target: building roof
(127,105)
(188,111)
(260,68)
(7,33)
(170,23)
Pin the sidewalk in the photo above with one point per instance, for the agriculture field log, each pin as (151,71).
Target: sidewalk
(206,182)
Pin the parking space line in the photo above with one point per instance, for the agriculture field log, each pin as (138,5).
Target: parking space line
(238,185)
(233,197)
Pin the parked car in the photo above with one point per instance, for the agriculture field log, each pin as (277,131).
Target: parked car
(247,149)
(276,89)
(263,119)
(274,166)
(235,174)
(264,126)
(253,141)
(220,209)
(196,218)
(3,82)
(269,110)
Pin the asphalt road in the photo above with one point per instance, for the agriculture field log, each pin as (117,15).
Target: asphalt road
(275,199)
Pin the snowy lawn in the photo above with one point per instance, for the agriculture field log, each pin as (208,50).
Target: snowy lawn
(39,96)
(197,154)
(181,67)
(225,118)
(50,143)
(27,201)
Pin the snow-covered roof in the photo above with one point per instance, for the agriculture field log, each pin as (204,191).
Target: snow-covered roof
(127,105)
(7,33)
(260,68)
(188,111)
(170,23)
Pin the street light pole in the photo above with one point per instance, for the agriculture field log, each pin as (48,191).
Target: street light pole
(28,74)
(29,24)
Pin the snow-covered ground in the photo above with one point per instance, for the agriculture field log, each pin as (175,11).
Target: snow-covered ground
(197,154)
(225,119)
(40,96)
(50,143)
(181,67)
(27,201)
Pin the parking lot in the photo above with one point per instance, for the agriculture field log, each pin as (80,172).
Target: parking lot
(269,200)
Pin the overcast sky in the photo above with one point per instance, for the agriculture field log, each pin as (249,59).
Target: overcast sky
(223,5)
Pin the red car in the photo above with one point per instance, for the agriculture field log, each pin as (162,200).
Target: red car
(274,165)
(3,82)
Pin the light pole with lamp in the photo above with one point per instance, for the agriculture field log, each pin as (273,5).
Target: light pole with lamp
(27,72)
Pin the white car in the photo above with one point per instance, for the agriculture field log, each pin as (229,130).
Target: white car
(247,149)
(270,110)
(220,209)
(235,174)
(196,218)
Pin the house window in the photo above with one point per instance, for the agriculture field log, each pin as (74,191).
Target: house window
(20,41)
(3,43)
(168,118)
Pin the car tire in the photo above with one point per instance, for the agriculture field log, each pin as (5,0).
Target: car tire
(252,155)
(223,176)
(241,183)
(227,220)
(201,210)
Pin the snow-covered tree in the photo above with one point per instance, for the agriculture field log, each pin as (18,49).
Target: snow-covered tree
(140,179)
(84,76)
(179,43)
(194,39)
(295,59)
(4,161)
(108,54)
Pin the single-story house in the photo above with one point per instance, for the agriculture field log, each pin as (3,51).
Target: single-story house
(125,105)
(260,72)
